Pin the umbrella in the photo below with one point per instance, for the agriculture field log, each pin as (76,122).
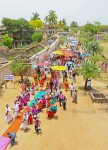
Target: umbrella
(58,68)
(58,52)
(34,66)
(67,53)
(42,64)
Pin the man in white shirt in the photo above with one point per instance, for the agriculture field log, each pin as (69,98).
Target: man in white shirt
(71,89)
(8,117)
(16,110)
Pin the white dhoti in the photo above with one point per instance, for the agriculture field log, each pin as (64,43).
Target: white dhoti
(24,125)
(16,114)
(8,118)
(16,110)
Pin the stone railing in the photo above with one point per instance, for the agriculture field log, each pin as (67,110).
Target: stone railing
(42,54)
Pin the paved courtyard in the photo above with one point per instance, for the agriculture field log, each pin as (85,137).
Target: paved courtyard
(82,126)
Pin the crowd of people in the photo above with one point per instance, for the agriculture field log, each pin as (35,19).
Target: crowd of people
(47,79)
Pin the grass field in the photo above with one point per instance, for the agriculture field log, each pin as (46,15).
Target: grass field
(104,46)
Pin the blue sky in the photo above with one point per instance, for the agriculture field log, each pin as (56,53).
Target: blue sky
(73,10)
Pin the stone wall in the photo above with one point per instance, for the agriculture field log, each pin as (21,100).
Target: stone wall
(4,49)
(4,70)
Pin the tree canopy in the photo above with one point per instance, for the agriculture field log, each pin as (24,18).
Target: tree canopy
(96,57)
(36,24)
(89,70)
(51,18)
(7,41)
(73,24)
(92,28)
(37,37)
(35,16)
(93,47)
(18,29)
(18,67)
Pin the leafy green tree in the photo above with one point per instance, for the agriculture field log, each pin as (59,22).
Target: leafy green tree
(64,22)
(10,24)
(36,24)
(18,67)
(85,38)
(73,30)
(59,24)
(89,27)
(89,70)
(93,47)
(98,26)
(37,37)
(66,28)
(35,16)
(96,58)
(73,24)
(7,41)
(18,29)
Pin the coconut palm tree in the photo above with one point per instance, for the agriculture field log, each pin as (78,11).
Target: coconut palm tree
(46,19)
(51,20)
(52,17)
(35,16)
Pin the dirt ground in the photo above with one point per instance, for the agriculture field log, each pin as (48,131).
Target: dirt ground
(83,126)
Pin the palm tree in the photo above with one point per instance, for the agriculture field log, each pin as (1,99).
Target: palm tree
(51,20)
(94,47)
(52,17)
(96,58)
(46,19)
(89,70)
(35,16)
(59,24)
